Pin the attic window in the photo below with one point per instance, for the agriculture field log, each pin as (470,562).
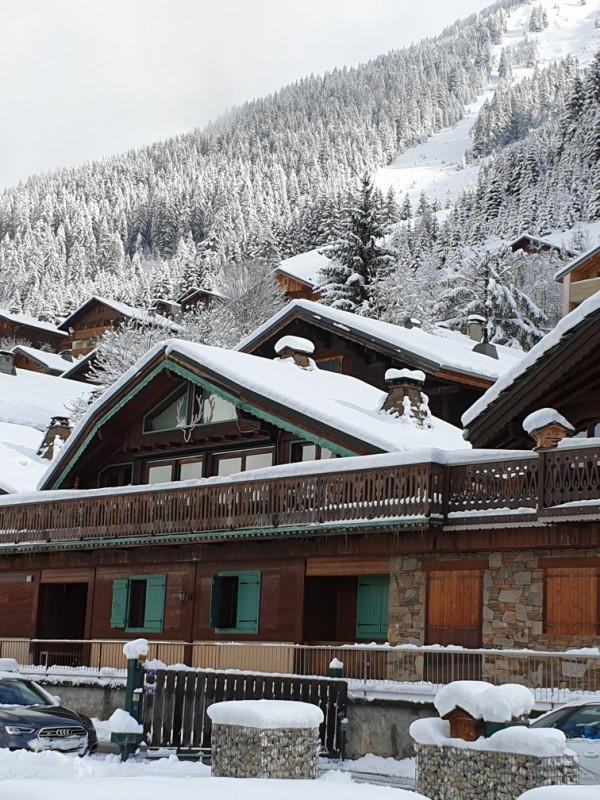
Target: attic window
(195,405)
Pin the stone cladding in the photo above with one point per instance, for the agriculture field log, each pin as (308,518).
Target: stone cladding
(241,752)
(452,773)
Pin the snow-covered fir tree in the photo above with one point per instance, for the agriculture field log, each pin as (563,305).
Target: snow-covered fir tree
(359,257)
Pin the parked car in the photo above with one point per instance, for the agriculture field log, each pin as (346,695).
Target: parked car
(579,720)
(32,719)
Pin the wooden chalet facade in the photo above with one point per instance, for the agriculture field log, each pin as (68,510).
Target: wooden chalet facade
(97,315)
(21,328)
(366,349)
(492,548)
(580,279)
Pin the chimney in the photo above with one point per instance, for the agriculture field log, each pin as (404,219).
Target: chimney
(475,326)
(412,322)
(7,362)
(57,434)
(547,428)
(296,348)
(405,397)
(66,354)
(485,348)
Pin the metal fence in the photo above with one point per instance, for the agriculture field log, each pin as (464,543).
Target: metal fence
(553,675)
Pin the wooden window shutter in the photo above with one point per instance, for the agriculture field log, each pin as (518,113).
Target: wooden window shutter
(155,603)
(372,607)
(571,601)
(120,598)
(248,602)
(215,601)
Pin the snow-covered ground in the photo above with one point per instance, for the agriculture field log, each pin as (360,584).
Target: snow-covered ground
(436,166)
(55,776)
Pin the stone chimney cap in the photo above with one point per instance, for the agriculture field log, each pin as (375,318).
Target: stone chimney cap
(542,418)
(296,343)
(413,376)
(476,318)
(412,322)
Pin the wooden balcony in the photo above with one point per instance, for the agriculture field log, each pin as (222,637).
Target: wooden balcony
(558,484)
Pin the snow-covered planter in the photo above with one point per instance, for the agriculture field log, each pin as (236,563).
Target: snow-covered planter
(265,739)
(502,766)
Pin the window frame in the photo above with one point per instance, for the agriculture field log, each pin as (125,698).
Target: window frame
(251,598)
(108,467)
(218,456)
(318,451)
(191,393)
(154,603)
(175,463)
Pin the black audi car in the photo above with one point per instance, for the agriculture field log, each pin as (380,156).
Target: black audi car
(31,720)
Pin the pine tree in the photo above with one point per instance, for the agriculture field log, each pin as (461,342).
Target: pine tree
(359,257)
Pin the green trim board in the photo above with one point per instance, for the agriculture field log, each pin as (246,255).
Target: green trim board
(225,395)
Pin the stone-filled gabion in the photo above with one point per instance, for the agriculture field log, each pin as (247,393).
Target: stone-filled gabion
(240,752)
(452,773)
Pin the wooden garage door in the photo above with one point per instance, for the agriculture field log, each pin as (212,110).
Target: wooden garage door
(454,600)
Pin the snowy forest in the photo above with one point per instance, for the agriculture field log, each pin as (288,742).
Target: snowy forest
(220,207)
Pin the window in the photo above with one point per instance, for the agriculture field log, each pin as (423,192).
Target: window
(191,404)
(180,469)
(330,364)
(571,600)
(306,451)
(242,461)
(372,607)
(234,602)
(116,475)
(138,603)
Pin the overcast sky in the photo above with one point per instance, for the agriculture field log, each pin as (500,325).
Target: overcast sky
(89,78)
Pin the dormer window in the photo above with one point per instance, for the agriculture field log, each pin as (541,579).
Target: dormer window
(187,406)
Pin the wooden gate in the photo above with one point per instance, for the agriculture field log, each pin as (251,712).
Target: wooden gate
(175,704)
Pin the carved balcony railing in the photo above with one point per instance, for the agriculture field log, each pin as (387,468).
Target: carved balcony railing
(463,491)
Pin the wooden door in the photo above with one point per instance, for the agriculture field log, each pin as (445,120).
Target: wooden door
(454,605)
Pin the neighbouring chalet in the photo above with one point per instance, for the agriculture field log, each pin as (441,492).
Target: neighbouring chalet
(195,537)
(195,297)
(99,314)
(298,276)
(534,244)
(561,371)
(41,360)
(21,328)
(580,278)
(456,375)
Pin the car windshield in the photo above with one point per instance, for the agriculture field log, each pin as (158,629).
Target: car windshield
(21,693)
(549,720)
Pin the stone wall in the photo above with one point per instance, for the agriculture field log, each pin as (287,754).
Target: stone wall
(513,598)
(452,773)
(240,752)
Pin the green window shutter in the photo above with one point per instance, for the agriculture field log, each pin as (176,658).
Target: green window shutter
(248,603)
(372,607)
(120,597)
(155,603)
(215,599)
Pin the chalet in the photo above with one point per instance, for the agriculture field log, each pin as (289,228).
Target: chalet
(298,276)
(580,278)
(98,314)
(456,375)
(20,328)
(80,368)
(215,495)
(41,360)
(534,244)
(561,371)
(194,296)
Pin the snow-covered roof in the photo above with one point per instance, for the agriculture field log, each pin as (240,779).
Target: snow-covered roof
(485,701)
(542,418)
(130,312)
(305,267)
(31,322)
(519,372)
(540,243)
(576,262)
(338,406)
(21,468)
(440,349)
(52,361)
(79,364)
(28,400)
